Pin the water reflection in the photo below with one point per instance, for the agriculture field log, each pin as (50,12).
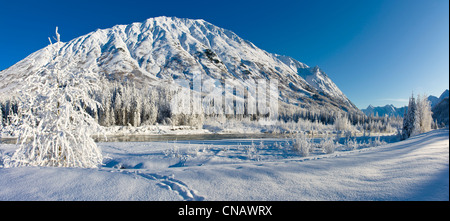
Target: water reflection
(201,137)
(147,138)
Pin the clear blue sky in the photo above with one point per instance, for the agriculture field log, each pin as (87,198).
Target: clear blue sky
(377,51)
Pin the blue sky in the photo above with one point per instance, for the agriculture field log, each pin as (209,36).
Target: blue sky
(377,51)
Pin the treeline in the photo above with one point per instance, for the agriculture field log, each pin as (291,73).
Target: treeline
(126,105)
(343,120)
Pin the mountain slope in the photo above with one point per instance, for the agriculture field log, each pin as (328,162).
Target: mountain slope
(441,112)
(160,50)
(444,95)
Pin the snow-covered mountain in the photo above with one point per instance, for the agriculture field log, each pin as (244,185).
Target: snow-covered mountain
(440,109)
(435,100)
(162,49)
(389,110)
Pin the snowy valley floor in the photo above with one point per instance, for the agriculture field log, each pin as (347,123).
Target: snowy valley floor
(242,169)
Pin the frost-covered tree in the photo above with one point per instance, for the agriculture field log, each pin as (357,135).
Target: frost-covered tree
(341,123)
(117,106)
(302,144)
(52,124)
(327,144)
(423,118)
(106,113)
(1,115)
(149,110)
(418,118)
(136,111)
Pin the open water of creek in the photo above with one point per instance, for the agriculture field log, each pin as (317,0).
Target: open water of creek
(201,137)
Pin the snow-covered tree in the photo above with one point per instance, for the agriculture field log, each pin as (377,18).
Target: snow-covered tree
(409,118)
(423,118)
(302,144)
(106,113)
(341,123)
(117,106)
(327,144)
(418,118)
(136,111)
(52,124)
(149,110)
(1,115)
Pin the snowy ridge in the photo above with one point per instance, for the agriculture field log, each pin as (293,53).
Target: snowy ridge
(164,49)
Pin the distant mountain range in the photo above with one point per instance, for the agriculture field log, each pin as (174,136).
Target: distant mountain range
(389,110)
(439,106)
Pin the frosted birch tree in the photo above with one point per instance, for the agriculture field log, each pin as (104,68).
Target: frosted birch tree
(423,118)
(52,124)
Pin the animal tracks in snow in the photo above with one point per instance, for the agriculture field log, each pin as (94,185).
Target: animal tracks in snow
(175,185)
(168,182)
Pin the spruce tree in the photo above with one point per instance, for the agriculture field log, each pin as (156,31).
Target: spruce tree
(409,118)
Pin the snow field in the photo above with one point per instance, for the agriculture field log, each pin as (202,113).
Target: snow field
(242,169)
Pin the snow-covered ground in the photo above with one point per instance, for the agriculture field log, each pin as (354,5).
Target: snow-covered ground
(242,169)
